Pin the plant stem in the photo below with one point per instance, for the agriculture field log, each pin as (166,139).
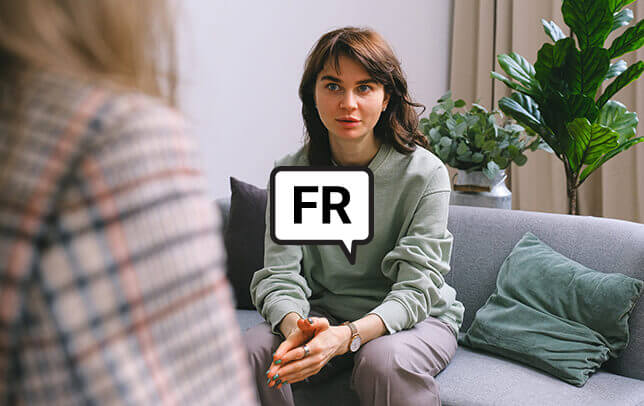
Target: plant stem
(573,201)
(572,190)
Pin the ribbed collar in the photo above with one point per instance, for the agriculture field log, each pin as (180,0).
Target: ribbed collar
(378,159)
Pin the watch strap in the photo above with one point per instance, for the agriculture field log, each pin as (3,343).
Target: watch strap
(354,330)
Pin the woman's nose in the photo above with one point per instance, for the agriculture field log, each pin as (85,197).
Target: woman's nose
(348,101)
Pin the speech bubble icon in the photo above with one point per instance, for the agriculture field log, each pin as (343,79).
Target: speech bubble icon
(322,206)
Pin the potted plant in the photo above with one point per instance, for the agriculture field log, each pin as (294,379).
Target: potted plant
(560,97)
(473,142)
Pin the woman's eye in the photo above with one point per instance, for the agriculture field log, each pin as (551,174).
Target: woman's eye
(364,88)
(332,87)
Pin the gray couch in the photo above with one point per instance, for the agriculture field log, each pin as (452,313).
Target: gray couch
(482,240)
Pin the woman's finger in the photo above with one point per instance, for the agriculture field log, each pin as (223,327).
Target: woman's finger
(305,325)
(314,324)
(304,367)
(295,354)
(294,340)
(302,374)
(286,367)
(306,330)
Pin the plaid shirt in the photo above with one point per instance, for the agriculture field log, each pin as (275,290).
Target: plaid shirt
(111,281)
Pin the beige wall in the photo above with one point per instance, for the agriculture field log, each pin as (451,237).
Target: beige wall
(241,63)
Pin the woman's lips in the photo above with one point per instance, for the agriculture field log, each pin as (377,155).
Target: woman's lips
(348,123)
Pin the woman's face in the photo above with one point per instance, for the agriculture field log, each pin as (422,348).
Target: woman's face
(349,101)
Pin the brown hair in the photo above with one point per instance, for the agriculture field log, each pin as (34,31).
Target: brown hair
(123,44)
(398,124)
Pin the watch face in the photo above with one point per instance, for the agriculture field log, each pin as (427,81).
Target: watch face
(355,344)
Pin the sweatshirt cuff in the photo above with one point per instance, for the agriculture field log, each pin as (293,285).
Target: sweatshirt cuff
(393,315)
(278,310)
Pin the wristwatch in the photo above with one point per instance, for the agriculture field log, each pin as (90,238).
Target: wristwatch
(356,340)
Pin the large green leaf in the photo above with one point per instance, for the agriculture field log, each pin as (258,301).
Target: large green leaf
(633,72)
(590,20)
(516,111)
(621,18)
(610,154)
(630,40)
(580,105)
(544,64)
(586,70)
(526,112)
(550,65)
(580,130)
(616,5)
(556,112)
(529,105)
(615,116)
(603,140)
(523,112)
(518,68)
(589,142)
(512,85)
(616,68)
(553,30)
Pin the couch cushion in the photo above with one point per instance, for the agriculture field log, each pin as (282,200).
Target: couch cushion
(244,238)
(554,314)
(479,379)
(503,383)
(483,238)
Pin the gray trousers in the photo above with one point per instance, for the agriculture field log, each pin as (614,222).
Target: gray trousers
(396,369)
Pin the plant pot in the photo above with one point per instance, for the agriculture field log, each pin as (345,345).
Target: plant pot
(476,189)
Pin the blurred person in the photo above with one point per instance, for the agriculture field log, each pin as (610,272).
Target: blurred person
(111,281)
(390,316)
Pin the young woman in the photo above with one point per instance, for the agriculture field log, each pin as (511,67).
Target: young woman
(111,290)
(403,317)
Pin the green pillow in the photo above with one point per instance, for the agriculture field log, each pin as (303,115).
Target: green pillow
(554,314)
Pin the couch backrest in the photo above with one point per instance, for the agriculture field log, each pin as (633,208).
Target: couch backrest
(483,238)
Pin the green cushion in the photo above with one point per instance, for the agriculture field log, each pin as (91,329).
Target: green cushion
(554,314)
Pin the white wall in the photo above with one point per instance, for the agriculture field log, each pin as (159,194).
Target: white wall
(241,61)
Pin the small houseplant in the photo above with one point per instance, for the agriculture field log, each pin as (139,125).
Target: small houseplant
(559,97)
(473,141)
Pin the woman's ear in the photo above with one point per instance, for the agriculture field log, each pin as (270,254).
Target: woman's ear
(385,102)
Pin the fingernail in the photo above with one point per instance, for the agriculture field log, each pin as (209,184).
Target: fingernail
(277,362)
(310,320)
(268,370)
(276,376)
(268,380)
(279,381)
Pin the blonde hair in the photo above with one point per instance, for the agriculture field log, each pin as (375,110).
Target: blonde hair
(125,44)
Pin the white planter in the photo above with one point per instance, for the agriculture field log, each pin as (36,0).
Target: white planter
(476,189)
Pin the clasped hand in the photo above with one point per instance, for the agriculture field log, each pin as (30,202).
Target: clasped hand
(324,342)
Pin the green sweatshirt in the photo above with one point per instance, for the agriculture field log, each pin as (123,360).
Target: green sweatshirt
(399,275)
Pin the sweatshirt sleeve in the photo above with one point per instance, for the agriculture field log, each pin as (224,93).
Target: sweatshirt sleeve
(279,288)
(419,261)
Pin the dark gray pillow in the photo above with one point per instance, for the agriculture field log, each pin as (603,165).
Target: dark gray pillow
(244,238)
